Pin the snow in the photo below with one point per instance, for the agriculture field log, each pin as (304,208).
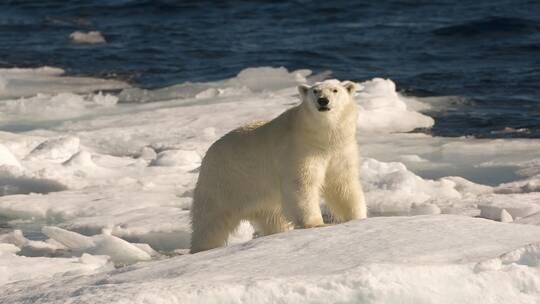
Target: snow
(180,158)
(47,81)
(8,159)
(33,267)
(55,149)
(120,251)
(96,174)
(250,80)
(423,259)
(7,248)
(506,217)
(16,268)
(533,219)
(385,111)
(30,247)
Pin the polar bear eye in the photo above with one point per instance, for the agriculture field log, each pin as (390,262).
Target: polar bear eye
(315,91)
(334,90)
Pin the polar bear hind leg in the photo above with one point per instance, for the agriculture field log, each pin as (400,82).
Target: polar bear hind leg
(210,230)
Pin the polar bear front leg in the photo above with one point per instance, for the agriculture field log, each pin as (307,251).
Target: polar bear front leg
(300,194)
(342,189)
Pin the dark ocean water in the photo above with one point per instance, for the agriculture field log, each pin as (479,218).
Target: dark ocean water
(487,52)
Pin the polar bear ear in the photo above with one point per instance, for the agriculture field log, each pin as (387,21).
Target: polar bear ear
(303,90)
(349,86)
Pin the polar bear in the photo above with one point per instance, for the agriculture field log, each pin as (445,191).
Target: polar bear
(272,173)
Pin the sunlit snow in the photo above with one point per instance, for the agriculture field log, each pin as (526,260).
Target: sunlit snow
(97,175)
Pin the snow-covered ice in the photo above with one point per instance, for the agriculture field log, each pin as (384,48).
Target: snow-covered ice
(383,110)
(423,259)
(96,174)
(8,159)
(120,251)
(46,81)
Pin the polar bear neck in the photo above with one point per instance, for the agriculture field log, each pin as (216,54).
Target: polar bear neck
(329,132)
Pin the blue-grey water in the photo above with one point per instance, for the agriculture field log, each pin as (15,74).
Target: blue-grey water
(487,52)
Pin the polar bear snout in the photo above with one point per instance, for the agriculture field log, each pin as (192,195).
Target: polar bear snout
(323,104)
(323,101)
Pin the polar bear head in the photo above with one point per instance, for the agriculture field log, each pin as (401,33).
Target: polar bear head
(329,98)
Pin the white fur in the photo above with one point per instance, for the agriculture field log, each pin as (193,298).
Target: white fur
(272,173)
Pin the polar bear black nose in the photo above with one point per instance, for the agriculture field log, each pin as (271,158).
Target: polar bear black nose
(323,101)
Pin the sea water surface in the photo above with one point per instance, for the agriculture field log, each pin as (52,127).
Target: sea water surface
(487,53)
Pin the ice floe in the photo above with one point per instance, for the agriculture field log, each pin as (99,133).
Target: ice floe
(120,177)
(92,37)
